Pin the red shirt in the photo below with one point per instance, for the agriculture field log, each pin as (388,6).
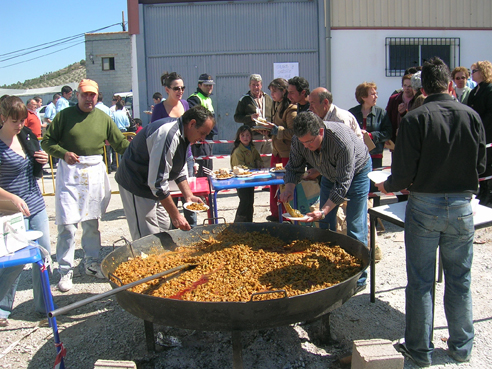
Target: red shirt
(33,123)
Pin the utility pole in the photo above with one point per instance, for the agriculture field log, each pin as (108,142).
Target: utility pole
(123,21)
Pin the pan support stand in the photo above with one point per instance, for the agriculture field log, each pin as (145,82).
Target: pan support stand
(149,336)
(319,330)
(237,350)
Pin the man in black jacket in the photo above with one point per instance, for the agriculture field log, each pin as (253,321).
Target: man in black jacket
(439,153)
(253,105)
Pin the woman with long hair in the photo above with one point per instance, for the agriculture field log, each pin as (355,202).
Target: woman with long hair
(21,162)
(480,99)
(281,132)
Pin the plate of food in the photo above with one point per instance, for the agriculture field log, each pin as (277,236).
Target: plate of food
(378,176)
(196,207)
(261,128)
(241,171)
(262,122)
(279,168)
(223,173)
(295,219)
(223,176)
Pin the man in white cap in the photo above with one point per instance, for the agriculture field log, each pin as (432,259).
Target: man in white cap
(77,136)
(202,97)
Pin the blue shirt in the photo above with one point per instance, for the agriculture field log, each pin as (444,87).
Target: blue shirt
(16,176)
(50,111)
(121,119)
(61,104)
(104,108)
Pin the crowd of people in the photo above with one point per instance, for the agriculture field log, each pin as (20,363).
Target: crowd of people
(437,125)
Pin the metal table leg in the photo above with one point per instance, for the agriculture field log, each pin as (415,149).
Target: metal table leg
(372,243)
(50,306)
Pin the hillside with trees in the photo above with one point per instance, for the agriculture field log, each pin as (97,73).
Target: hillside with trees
(72,73)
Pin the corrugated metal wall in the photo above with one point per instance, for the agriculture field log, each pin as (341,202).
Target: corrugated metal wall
(230,41)
(411,13)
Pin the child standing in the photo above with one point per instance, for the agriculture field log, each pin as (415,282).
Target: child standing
(244,153)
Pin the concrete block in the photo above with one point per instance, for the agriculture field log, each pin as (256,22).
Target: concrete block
(111,364)
(376,354)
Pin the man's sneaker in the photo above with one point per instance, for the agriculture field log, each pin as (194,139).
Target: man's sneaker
(94,269)
(65,283)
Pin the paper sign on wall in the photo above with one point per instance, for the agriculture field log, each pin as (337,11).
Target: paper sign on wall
(285,70)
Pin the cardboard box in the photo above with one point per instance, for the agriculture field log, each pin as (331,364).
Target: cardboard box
(13,229)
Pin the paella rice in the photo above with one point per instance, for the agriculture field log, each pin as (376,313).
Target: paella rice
(233,267)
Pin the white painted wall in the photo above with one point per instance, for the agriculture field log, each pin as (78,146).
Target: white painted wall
(359,55)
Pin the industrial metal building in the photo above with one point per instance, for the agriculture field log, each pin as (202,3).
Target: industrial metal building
(335,43)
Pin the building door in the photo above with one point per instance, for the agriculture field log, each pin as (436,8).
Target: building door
(228,90)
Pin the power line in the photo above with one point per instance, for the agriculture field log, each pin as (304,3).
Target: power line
(37,57)
(51,44)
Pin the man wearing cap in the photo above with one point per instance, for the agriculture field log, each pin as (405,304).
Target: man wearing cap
(77,135)
(202,97)
(253,105)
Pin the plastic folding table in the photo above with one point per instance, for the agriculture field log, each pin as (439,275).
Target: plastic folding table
(28,255)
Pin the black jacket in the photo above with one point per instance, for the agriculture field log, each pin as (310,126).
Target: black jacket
(440,148)
(480,100)
(30,143)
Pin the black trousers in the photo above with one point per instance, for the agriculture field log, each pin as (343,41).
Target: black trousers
(245,209)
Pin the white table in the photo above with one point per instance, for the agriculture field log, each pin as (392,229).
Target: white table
(395,213)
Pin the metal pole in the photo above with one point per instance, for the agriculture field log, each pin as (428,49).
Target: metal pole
(77,304)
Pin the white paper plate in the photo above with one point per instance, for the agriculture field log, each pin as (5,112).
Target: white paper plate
(288,217)
(185,206)
(33,235)
(378,176)
(273,170)
(243,175)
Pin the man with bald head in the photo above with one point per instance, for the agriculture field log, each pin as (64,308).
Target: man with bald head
(321,104)
(32,120)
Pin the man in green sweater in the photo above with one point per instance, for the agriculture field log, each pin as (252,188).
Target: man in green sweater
(77,135)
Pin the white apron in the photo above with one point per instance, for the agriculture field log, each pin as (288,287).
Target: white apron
(82,190)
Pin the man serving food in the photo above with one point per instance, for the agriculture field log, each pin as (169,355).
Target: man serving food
(336,153)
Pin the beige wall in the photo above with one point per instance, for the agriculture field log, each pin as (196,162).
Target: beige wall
(435,14)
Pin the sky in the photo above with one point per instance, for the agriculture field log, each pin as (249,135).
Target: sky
(27,24)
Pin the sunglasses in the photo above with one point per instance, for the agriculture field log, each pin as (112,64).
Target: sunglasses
(475,70)
(178,88)
(458,78)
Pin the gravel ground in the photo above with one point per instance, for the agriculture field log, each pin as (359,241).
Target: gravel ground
(103,330)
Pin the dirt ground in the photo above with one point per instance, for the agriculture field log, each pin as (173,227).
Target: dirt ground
(103,330)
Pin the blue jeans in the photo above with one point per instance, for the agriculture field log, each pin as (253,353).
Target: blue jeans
(443,220)
(9,277)
(356,208)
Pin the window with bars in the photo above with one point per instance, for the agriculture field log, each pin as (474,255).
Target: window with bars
(405,52)
(107,63)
